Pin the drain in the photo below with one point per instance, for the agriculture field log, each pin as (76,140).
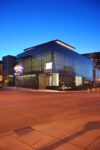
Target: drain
(23,131)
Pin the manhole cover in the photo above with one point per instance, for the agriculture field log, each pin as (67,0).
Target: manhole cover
(23,131)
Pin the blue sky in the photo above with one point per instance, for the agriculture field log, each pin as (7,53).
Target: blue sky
(25,23)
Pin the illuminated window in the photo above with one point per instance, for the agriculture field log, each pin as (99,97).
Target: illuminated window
(78,80)
(48,66)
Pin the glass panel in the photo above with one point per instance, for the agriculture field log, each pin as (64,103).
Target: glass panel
(55,79)
(36,63)
(74,64)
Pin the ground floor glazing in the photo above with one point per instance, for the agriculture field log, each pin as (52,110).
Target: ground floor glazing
(51,80)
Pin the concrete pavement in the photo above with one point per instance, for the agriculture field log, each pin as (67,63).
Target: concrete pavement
(45,121)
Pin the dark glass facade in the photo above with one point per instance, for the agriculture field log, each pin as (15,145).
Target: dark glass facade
(73,64)
(36,63)
(96,66)
(8,64)
(0,71)
(54,64)
(95,57)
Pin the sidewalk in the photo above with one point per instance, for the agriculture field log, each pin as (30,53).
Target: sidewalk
(45,121)
(76,134)
(34,90)
(55,91)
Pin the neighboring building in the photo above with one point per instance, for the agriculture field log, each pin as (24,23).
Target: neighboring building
(95,57)
(54,64)
(8,65)
(96,66)
(0,71)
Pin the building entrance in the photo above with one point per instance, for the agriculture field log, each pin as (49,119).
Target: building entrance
(44,81)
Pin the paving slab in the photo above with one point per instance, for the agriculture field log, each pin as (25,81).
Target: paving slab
(62,147)
(59,129)
(81,137)
(10,143)
(34,139)
(68,123)
(55,131)
(84,138)
(6,134)
(95,145)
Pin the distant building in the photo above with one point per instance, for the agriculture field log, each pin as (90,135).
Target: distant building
(8,64)
(0,71)
(96,65)
(54,64)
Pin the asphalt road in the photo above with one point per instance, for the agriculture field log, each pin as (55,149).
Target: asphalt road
(19,109)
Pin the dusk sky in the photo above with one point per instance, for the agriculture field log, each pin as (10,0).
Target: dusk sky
(26,23)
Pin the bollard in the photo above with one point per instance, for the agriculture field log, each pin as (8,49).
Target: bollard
(93,89)
(88,90)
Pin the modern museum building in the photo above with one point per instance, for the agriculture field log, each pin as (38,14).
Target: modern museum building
(52,65)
